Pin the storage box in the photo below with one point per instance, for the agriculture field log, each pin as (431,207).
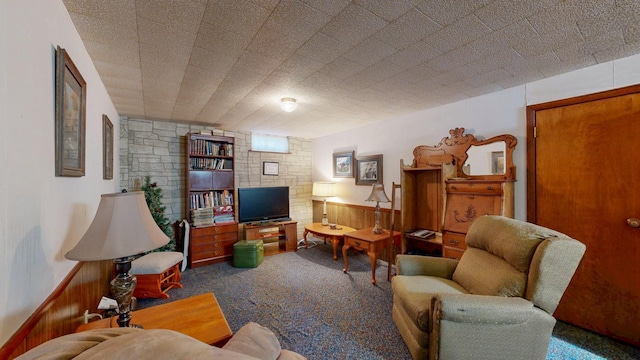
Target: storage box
(248,253)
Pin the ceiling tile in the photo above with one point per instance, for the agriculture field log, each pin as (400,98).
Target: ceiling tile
(445,12)
(184,15)
(240,17)
(388,10)
(406,30)
(295,19)
(353,25)
(459,34)
(370,52)
(323,48)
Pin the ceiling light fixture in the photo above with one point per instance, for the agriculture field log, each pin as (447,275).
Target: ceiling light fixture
(288,104)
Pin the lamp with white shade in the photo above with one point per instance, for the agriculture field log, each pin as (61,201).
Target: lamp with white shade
(378,195)
(123,227)
(324,190)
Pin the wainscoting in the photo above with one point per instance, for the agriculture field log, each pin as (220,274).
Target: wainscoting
(63,311)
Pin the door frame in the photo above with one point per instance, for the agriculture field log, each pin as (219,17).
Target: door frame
(531,135)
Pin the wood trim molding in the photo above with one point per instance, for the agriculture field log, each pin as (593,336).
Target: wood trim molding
(61,312)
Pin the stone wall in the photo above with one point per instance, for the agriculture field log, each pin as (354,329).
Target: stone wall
(157,149)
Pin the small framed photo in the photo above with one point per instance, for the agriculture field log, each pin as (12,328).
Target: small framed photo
(70,117)
(270,168)
(343,164)
(107,148)
(369,170)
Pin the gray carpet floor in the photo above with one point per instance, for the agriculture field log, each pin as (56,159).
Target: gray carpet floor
(322,313)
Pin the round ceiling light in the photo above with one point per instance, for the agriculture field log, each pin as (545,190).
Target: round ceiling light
(288,104)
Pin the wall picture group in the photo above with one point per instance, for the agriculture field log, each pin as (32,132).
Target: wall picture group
(366,169)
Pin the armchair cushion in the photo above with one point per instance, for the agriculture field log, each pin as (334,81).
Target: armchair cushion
(485,274)
(416,293)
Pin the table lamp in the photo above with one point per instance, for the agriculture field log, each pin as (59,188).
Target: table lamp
(325,190)
(123,227)
(378,195)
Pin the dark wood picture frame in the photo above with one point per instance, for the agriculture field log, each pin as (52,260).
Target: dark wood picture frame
(107,148)
(70,118)
(270,168)
(369,170)
(343,164)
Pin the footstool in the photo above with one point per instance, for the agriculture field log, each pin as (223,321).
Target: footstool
(157,273)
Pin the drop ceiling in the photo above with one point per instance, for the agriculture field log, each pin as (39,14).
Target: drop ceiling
(227,63)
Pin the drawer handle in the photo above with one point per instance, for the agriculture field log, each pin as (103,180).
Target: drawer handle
(453,242)
(358,243)
(471,197)
(454,187)
(489,187)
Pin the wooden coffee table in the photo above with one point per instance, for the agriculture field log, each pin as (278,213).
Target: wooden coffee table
(335,235)
(198,316)
(367,241)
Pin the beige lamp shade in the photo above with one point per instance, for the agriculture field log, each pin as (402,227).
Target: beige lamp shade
(323,189)
(123,226)
(377,194)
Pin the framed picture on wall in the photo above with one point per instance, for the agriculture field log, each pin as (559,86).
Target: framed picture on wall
(369,170)
(71,104)
(270,168)
(107,148)
(343,164)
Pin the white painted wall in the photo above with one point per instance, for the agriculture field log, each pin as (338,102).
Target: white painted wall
(485,116)
(41,216)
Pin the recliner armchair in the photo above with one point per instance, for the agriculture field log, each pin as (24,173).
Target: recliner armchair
(496,302)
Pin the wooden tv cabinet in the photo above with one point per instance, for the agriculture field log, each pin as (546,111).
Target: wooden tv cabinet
(277,236)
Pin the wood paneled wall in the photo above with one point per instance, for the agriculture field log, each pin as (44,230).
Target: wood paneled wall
(63,311)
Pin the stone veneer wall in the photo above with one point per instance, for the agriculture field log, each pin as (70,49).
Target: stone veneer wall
(157,149)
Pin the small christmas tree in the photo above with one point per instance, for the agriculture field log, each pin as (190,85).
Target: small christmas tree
(153,196)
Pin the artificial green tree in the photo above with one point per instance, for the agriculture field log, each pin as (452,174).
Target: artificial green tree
(153,196)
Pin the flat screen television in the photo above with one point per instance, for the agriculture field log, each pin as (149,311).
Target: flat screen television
(263,204)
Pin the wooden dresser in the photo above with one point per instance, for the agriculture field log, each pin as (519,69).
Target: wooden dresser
(468,199)
(449,185)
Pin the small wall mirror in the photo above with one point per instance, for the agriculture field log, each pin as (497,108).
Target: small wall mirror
(486,159)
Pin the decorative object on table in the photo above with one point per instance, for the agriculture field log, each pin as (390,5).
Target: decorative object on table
(123,227)
(288,104)
(107,148)
(378,195)
(343,164)
(369,170)
(71,100)
(270,168)
(324,190)
(153,196)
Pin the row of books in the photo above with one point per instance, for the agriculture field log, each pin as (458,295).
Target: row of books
(212,215)
(206,147)
(210,164)
(211,199)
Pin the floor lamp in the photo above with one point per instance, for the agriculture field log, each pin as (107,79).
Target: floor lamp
(123,227)
(325,190)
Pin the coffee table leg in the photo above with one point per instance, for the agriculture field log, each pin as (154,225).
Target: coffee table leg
(335,241)
(373,257)
(304,236)
(345,248)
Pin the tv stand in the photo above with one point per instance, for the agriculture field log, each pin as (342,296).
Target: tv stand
(277,236)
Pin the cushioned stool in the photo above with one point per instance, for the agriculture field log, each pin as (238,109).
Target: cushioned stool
(157,272)
(248,253)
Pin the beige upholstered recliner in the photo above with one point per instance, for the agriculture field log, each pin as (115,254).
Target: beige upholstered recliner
(496,302)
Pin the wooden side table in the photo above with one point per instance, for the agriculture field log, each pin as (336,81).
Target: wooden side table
(367,241)
(335,235)
(198,316)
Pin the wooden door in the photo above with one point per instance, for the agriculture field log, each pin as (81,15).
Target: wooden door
(584,180)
